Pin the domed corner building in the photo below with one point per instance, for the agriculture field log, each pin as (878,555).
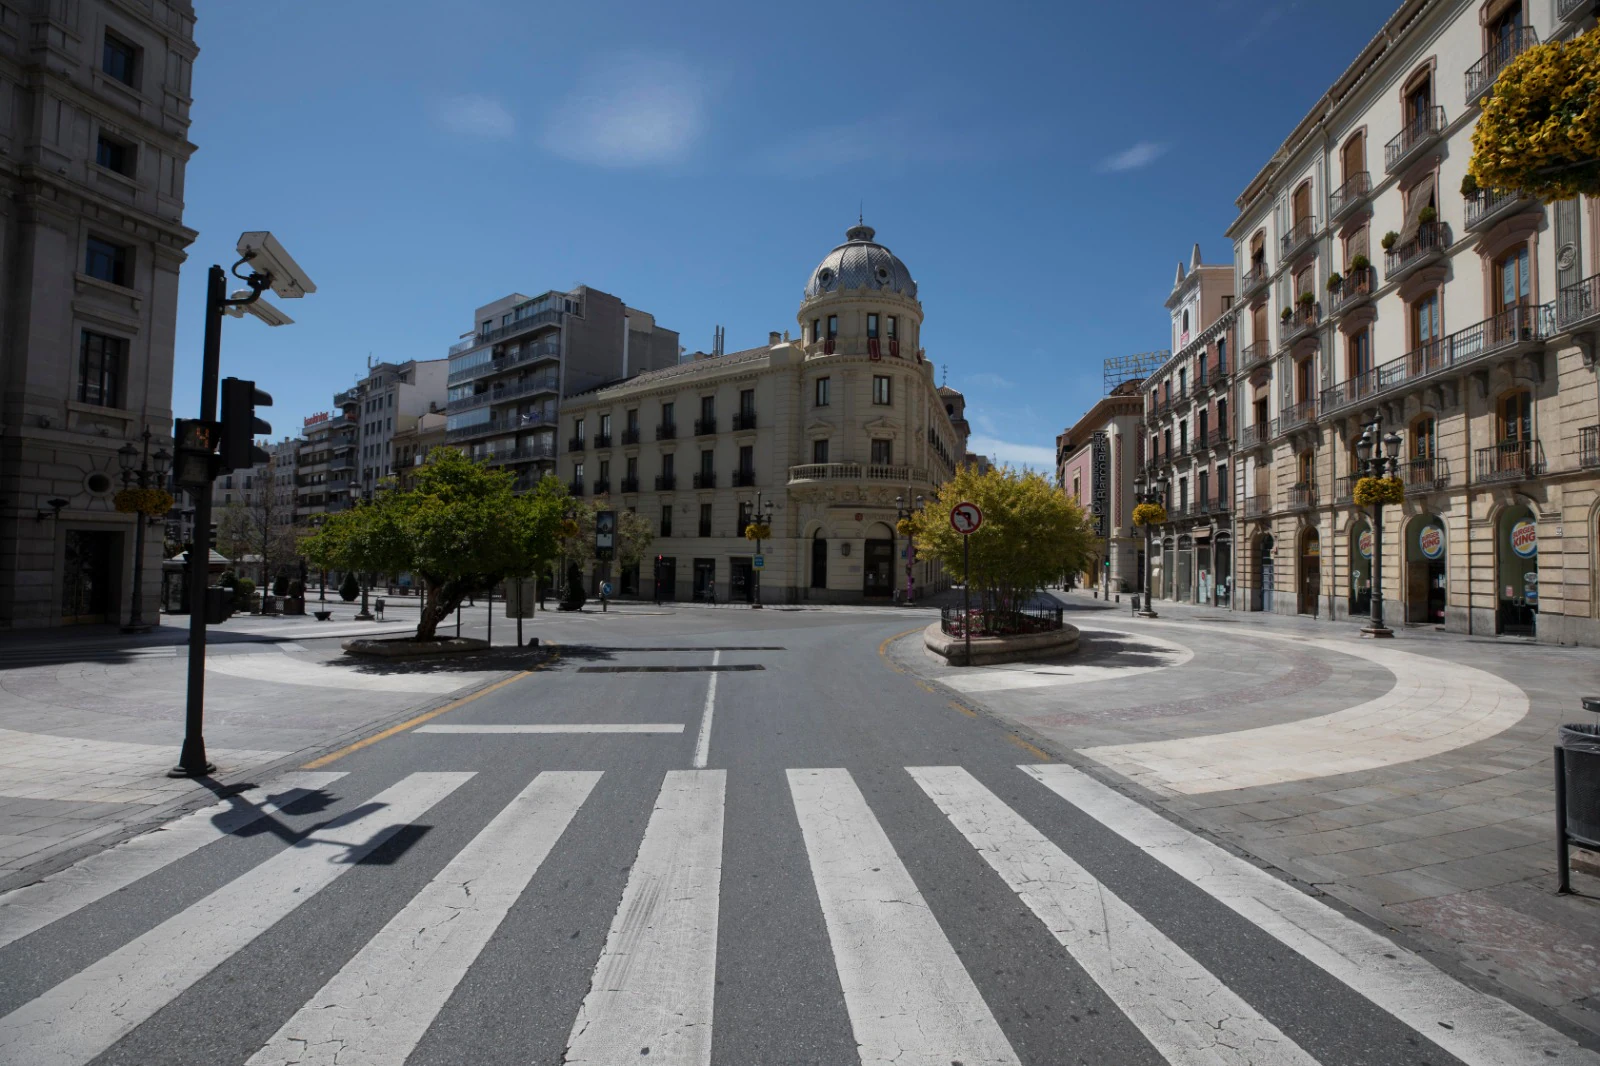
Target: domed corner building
(831,429)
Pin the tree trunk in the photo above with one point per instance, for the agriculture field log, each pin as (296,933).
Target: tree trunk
(439,603)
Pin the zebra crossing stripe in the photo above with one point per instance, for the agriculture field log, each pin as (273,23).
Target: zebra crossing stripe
(129,985)
(375,1010)
(909,998)
(653,988)
(1186,1013)
(32,907)
(1477,1029)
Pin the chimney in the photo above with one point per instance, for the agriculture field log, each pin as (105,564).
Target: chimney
(773,338)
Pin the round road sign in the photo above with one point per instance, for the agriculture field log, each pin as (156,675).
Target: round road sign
(965,518)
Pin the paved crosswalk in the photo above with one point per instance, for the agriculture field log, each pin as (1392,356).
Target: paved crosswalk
(906,991)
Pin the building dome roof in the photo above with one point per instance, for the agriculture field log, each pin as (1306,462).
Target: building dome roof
(860,262)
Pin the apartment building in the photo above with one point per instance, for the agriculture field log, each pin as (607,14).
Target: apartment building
(1189,439)
(95,136)
(1377,288)
(506,379)
(389,398)
(325,466)
(412,444)
(1096,462)
(837,430)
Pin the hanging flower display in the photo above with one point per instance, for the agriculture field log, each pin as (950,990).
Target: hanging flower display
(1373,490)
(152,502)
(1149,514)
(903,527)
(569,528)
(1540,128)
(757,531)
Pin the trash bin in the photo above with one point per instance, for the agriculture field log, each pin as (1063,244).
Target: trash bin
(1577,767)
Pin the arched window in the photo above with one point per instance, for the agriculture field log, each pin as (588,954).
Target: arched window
(1300,203)
(1186,321)
(1353,157)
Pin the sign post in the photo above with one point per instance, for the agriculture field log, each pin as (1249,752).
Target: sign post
(965,518)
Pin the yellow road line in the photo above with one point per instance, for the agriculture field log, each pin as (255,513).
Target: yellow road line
(964,709)
(883,649)
(1029,748)
(317,764)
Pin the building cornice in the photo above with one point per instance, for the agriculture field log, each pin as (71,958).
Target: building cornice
(1219,326)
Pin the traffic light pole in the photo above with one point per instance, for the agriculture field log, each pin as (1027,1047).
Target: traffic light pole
(192,761)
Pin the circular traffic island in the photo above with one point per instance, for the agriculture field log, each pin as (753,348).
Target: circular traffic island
(412,648)
(999,637)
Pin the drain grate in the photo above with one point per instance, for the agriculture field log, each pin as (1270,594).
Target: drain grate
(669,669)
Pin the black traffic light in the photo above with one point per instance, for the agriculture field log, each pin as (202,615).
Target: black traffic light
(240,426)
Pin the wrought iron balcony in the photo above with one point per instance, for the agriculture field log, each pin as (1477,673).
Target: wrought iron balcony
(630,436)
(1485,208)
(601,487)
(705,479)
(1301,321)
(1579,304)
(1507,46)
(1302,497)
(1573,9)
(1429,244)
(1254,354)
(704,427)
(1257,433)
(1425,474)
(1349,196)
(1589,446)
(1218,438)
(602,440)
(1254,279)
(1256,506)
(1300,234)
(667,431)
(1413,137)
(1510,460)
(1302,413)
(1344,489)
(666,482)
(629,484)
(744,479)
(744,420)
(1355,288)
(575,444)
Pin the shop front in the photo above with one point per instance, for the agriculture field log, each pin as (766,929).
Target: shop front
(1360,569)
(1426,569)
(1517,572)
(1310,572)
(1223,582)
(1185,590)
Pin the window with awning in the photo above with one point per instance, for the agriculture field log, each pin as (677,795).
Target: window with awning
(1420,197)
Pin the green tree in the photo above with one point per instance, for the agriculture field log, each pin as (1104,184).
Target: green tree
(1032,533)
(459,529)
(633,537)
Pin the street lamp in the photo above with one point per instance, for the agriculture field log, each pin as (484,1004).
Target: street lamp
(1147,492)
(902,512)
(760,515)
(1373,463)
(146,475)
(366,580)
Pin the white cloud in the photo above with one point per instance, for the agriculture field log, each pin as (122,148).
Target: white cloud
(1140,155)
(630,111)
(1027,456)
(474,115)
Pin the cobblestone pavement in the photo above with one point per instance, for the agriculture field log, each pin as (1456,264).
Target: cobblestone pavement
(1410,779)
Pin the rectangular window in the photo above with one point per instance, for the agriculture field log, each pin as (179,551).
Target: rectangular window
(114,155)
(120,59)
(605,425)
(1425,320)
(705,520)
(894,327)
(747,402)
(633,468)
(605,470)
(708,407)
(633,420)
(745,511)
(101,363)
(747,459)
(106,261)
(881,394)
(819,451)
(882,452)
(577,473)
(708,459)
(872,327)
(833,326)
(667,414)
(666,520)
(577,429)
(668,464)
(816,330)
(822,392)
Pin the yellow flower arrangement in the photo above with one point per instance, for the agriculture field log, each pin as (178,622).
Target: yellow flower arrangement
(152,502)
(903,527)
(1149,514)
(1540,128)
(569,528)
(757,531)
(1371,490)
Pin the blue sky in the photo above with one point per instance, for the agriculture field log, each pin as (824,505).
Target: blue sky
(1040,168)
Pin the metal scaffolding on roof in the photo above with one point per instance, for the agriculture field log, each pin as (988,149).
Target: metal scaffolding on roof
(1124,368)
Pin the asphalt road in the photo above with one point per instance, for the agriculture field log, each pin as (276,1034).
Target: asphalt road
(710,836)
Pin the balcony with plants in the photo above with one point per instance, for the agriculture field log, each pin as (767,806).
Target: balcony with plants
(1299,320)
(1401,258)
(1352,288)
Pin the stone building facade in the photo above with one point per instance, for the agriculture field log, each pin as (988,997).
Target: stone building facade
(1378,288)
(95,142)
(837,429)
(1109,435)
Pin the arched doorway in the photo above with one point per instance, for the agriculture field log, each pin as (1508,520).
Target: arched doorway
(1426,554)
(1224,570)
(877,562)
(1310,571)
(1360,569)
(1185,568)
(1517,571)
(1265,575)
(819,561)
(1169,565)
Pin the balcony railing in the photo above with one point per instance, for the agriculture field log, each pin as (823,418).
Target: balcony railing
(1256,506)
(1427,245)
(575,488)
(1302,497)
(510,390)
(1218,438)
(602,440)
(532,353)
(1254,354)
(1300,414)
(744,420)
(1299,235)
(666,482)
(705,479)
(1571,9)
(1589,446)
(1303,319)
(744,479)
(1486,207)
(1344,489)
(1413,137)
(1507,46)
(522,325)
(1348,196)
(629,484)
(575,444)
(515,424)
(1254,278)
(1510,460)
(1256,433)
(1429,472)
(1355,288)
(601,486)
(667,431)
(630,436)
(704,427)
(855,472)
(533,450)
(1579,303)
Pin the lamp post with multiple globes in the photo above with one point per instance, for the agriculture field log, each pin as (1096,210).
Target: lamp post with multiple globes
(149,472)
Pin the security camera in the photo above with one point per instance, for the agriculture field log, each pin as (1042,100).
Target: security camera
(258,307)
(267,257)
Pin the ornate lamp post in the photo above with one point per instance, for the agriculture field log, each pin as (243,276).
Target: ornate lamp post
(152,469)
(760,516)
(1147,492)
(902,512)
(365,615)
(1377,464)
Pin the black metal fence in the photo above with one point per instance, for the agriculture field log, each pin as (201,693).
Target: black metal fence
(1036,618)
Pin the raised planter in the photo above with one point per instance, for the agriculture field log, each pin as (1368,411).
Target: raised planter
(411,648)
(1023,647)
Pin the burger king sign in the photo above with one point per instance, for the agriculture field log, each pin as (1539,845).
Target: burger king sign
(1525,539)
(1431,542)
